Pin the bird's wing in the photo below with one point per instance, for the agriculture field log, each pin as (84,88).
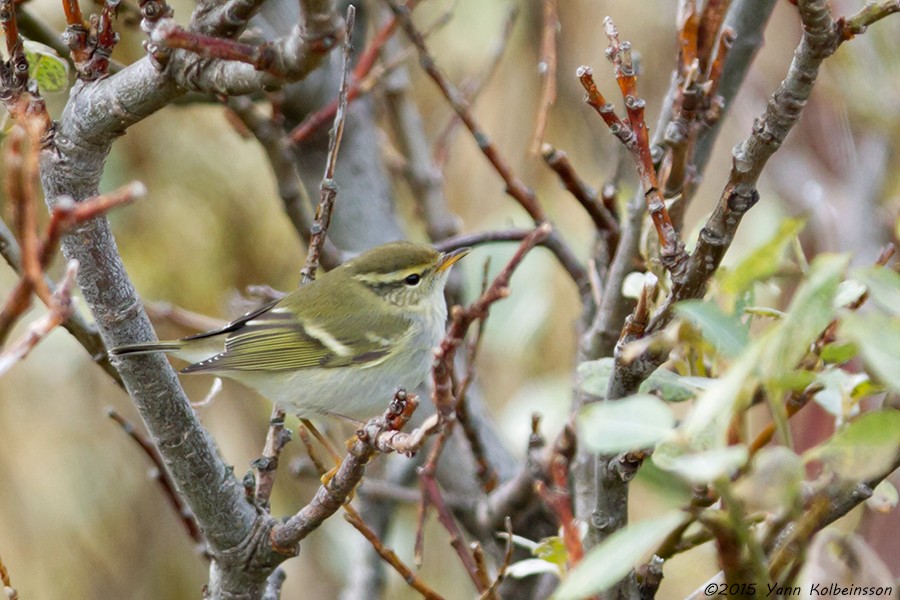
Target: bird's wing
(274,340)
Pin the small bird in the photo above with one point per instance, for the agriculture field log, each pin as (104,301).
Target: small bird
(340,345)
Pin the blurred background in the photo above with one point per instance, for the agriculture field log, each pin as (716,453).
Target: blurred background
(79,516)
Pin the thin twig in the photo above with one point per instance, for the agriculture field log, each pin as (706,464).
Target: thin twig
(443,399)
(556,495)
(603,219)
(389,556)
(162,478)
(329,188)
(360,84)
(333,494)
(471,88)
(277,146)
(37,254)
(515,187)
(485,474)
(547,70)
(277,438)
(507,559)
(634,134)
(61,306)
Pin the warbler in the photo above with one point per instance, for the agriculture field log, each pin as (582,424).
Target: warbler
(340,345)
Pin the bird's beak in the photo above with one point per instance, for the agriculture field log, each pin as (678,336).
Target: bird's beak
(448,258)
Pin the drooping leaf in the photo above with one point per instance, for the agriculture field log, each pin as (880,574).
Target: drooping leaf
(530,566)
(849,291)
(774,481)
(631,423)
(883,285)
(795,381)
(715,406)
(878,338)
(705,466)
(810,311)
(838,352)
(726,333)
(46,67)
(762,262)
(593,376)
(673,387)
(862,449)
(613,559)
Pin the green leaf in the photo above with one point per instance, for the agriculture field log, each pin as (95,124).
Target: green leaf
(673,387)
(774,481)
(46,67)
(593,376)
(863,449)
(714,407)
(795,381)
(631,423)
(763,262)
(726,333)
(703,467)
(883,285)
(612,559)
(878,338)
(552,550)
(811,310)
(838,352)
(666,486)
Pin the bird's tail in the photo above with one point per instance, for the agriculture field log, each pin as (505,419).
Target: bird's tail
(146,348)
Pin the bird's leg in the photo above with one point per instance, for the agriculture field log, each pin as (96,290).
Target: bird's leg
(326,443)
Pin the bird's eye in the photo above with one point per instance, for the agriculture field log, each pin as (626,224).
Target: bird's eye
(413,280)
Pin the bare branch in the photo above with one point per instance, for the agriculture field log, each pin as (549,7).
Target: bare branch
(277,438)
(329,186)
(390,557)
(331,496)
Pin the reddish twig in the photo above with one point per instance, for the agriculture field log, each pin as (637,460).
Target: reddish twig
(485,474)
(61,307)
(604,220)
(73,13)
(389,556)
(328,188)
(515,187)
(364,64)
(442,375)
(633,133)
(471,88)
(556,495)
(36,255)
(162,477)
(91,44)
(547,69)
